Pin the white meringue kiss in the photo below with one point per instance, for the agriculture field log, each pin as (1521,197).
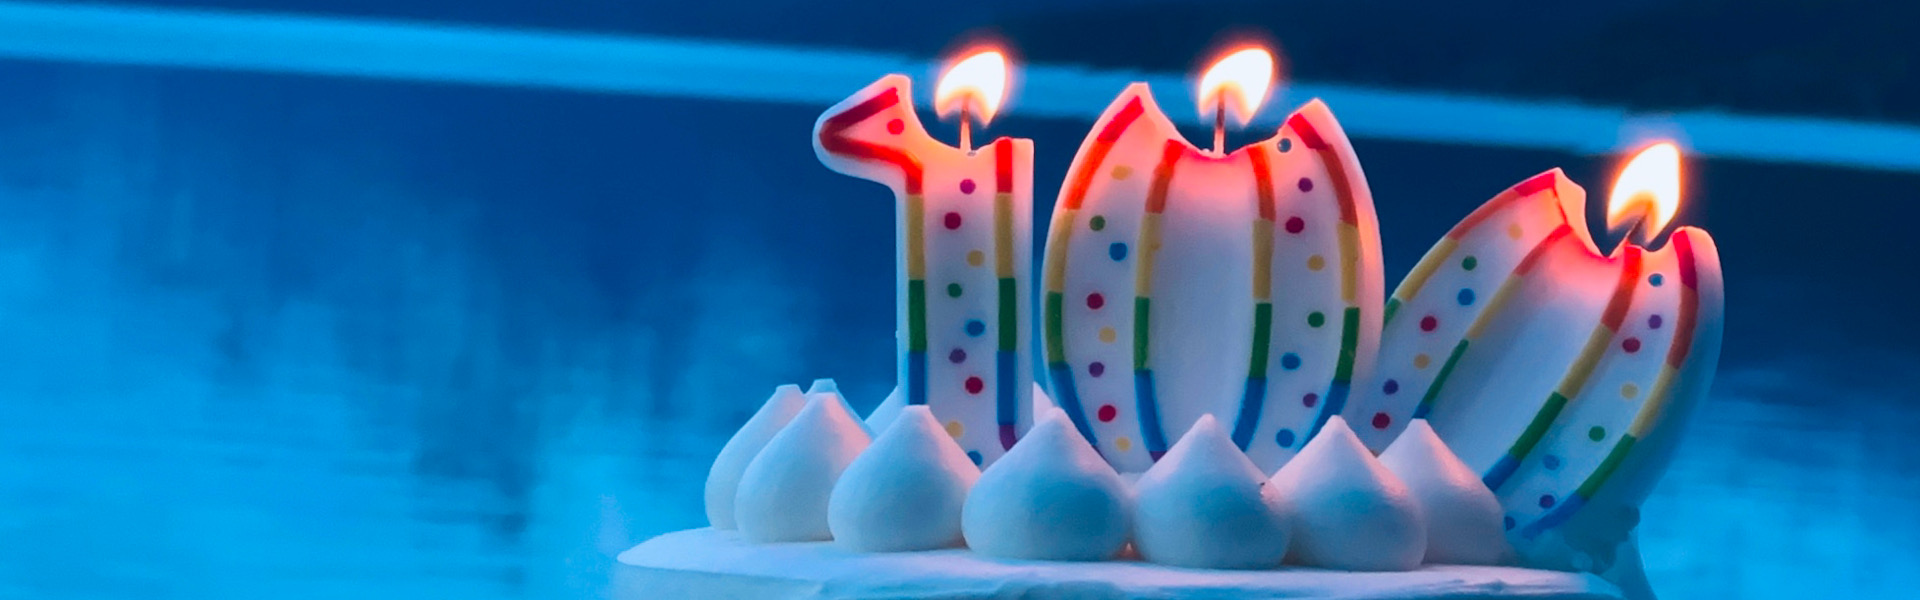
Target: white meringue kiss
(1463,517)
(1051,498)
(1206,505)
(1352,513)
(723,480)
(905,492)
(784,492)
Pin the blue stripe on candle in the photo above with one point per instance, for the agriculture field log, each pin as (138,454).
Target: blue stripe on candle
(1069,400)
(1501,470)
(916,377)
(1251,401)
(1554,518)
(1149,408)
(1004,385)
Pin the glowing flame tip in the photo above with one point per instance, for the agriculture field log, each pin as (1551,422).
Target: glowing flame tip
(977,82)
(1648,187)
(1240,81)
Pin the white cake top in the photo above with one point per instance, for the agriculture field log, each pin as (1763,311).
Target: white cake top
(905,491)
(1463,517)
(784,492)
(704,563)
(1354,514)
(1206,505)
(1050,497)
(723,480)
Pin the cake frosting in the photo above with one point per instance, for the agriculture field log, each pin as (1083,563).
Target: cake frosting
(1353,513)
(905,491)
(1051,497)
(1463,517)
(783,493)
(1206,505)
(723,480)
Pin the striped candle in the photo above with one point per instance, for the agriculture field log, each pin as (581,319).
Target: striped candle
(1180,282)
(964,250)
(1561,373)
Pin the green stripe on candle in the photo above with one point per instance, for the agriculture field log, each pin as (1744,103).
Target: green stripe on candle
(1433,391)
(1393,306)
(1140,332)
(1056,347)
(1009,322)
(1607,466)
(1262,336)
(1538,428)
(1349,345)
(917,315)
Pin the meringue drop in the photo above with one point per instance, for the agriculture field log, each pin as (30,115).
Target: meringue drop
(1206,505)
(889,409)
(1351,512)
(1042,403)
(1051,498)
(723,480)
(905,492)
(1463,517)
(784,492)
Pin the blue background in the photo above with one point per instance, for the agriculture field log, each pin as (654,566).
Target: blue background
(267,336)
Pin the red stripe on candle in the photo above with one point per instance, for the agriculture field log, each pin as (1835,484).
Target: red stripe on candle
(1076,192)
(834,140)
(1689,301)
(1003,165)
(1683,246)
(1308,136)
(1163,176)
(1623,291)
(1263,182)
(1547,182)
(1540,250)
(1536,184)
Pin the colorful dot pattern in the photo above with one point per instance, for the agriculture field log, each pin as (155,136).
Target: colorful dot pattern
(1103,239)
(1600,426)
(959,254)
(1309,352)
(1431,318)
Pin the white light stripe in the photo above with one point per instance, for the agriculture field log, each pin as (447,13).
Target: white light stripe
(737,71)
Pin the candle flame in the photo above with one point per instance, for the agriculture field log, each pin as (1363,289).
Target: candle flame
(976,84)
(1648,187)
(1239,81)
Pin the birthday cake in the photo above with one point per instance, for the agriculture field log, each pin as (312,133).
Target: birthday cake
(1230,406)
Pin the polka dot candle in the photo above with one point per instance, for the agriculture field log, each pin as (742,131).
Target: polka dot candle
(1556,370)
(965,222)
(1224,283)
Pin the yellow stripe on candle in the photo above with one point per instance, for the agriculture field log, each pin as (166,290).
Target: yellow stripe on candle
(1056,258)
(1656,402)
(1583,366)
(1349,262)
(1003,234)
(1149,246)
(916,236)
(1262,260)
(1417,278)
(1500,298)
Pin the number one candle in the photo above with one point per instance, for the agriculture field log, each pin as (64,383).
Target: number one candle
(1560,373)
(964,246)
(1181,282)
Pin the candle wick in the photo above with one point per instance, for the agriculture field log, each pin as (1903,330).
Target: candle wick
(966,130)
(1220,124)
(1636,231)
